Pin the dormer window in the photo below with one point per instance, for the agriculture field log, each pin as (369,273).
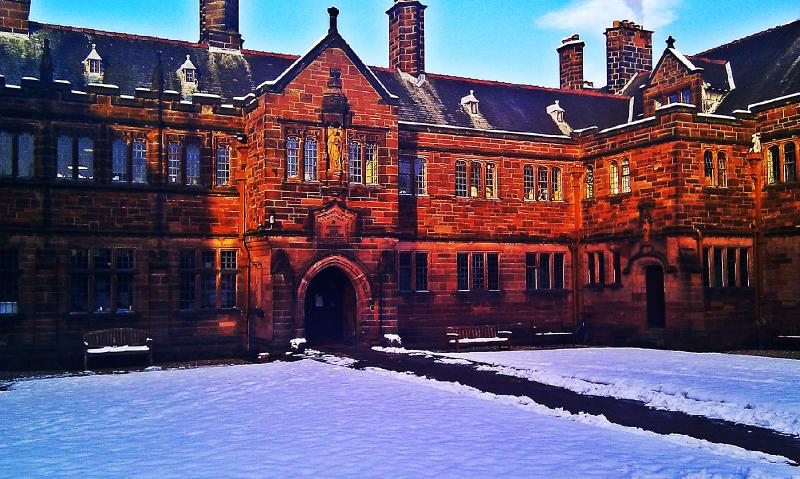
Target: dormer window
(93,66)
(470,103)
(557,114)
(190,75)
(187,74)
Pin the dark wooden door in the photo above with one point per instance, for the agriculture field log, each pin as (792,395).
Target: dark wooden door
(656,304)
(329,308)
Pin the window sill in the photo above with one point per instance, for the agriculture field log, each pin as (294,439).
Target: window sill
(716,189)
(600,287)
(782,186)
(618,198)
(547,292)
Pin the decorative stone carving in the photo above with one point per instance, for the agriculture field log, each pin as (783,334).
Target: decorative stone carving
(334,225)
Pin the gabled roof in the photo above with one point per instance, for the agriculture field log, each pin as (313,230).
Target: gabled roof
(765,65)
(332,40)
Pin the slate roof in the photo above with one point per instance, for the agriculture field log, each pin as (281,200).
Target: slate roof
(129,61)
(504,106)
(765,66)
(715,73)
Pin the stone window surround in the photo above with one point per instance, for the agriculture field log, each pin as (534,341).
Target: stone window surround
(780,175)
(16,130)
(550,168)
(714,180)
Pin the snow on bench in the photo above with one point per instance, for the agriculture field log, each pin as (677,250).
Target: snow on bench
(476,335)
(117,341)
(560,336)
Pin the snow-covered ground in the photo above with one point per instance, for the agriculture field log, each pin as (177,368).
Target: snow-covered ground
(308,419)
(745,389)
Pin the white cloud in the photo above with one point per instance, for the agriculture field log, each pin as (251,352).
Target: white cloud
(594,16)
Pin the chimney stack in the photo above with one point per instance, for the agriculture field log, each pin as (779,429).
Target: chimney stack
(570,56)
(629,51)
(407,36)
(14,16)
(219,24)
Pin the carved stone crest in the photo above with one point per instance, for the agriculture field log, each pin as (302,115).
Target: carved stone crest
(334,225)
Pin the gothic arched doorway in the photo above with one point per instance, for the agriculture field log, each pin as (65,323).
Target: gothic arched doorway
(654,290)
(330,308)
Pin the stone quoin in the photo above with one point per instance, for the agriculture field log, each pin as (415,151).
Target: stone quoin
(228,201)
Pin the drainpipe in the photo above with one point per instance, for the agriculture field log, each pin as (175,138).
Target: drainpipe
(577,286)
(754,158)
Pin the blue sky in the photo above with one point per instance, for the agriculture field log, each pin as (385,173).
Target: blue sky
(506,40)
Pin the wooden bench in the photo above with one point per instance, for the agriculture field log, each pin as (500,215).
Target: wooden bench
(117,342)
(476,336)
(788,337)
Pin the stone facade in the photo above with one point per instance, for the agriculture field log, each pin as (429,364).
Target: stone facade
(617,211)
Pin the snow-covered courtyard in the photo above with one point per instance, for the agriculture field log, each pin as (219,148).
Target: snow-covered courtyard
(313,419)
(750,390)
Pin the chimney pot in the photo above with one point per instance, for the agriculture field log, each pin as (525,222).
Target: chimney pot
(570,57)
(629,51)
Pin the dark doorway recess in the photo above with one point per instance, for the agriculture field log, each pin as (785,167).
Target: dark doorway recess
(330,308)
(656,305)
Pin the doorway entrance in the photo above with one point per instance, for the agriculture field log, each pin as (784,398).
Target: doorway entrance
(330,308)
(656,303)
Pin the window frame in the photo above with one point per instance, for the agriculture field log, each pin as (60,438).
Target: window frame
(717,263)
(86,276)
(613,176)
(789,172)
(15,152)
(413,271)
(292,157)
(310,162)
(589,182)
(222,165)
(546,275)
(461,179)
(10,276)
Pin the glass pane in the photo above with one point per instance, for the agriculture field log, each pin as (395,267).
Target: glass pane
(124,292)
(544,183)
(174,157)
(371,164)
(310,159)
(355,163)
(292,156)
(6,153)
(555,176)
(421,176)
(188,259)
(461,179)
(192,165)
(477,270)
(119,161)
(626,176)
(79,292)
(85,158)
(558,271)
(227,290)
(404,176)
(125,259)
(790,162)
(208,290)
(223,166)
(64,154)
(528,183)
(227,259)
(25,159)
(530,271)
(102,293)
(140,161)
(209,258)
(102,259)
(422,271)
(188,292)
(462,267)
(475,180)
(491,191)
(493,271)
(589,182)
(404,271)
(544,271)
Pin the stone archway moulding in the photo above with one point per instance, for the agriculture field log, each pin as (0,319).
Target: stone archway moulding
(357,276)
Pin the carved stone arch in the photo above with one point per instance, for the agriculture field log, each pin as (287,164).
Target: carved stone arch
(653,257)
(355,271)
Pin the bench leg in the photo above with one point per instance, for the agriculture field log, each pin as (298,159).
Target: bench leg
(458,346)
(150,357)
(85,362)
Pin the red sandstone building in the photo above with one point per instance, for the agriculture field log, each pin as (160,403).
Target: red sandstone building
(229,200)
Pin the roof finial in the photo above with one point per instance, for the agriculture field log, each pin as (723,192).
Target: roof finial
(670,42)
(334,13)
(46,65)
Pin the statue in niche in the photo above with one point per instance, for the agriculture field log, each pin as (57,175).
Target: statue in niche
(756,143)
(335,135)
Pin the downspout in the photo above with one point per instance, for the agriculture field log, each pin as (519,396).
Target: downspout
(577,287)
(754,159)
(240,186)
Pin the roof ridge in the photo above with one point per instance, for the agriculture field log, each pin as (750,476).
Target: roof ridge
(748,37)
(522,85)
(134,36)
(709,60)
